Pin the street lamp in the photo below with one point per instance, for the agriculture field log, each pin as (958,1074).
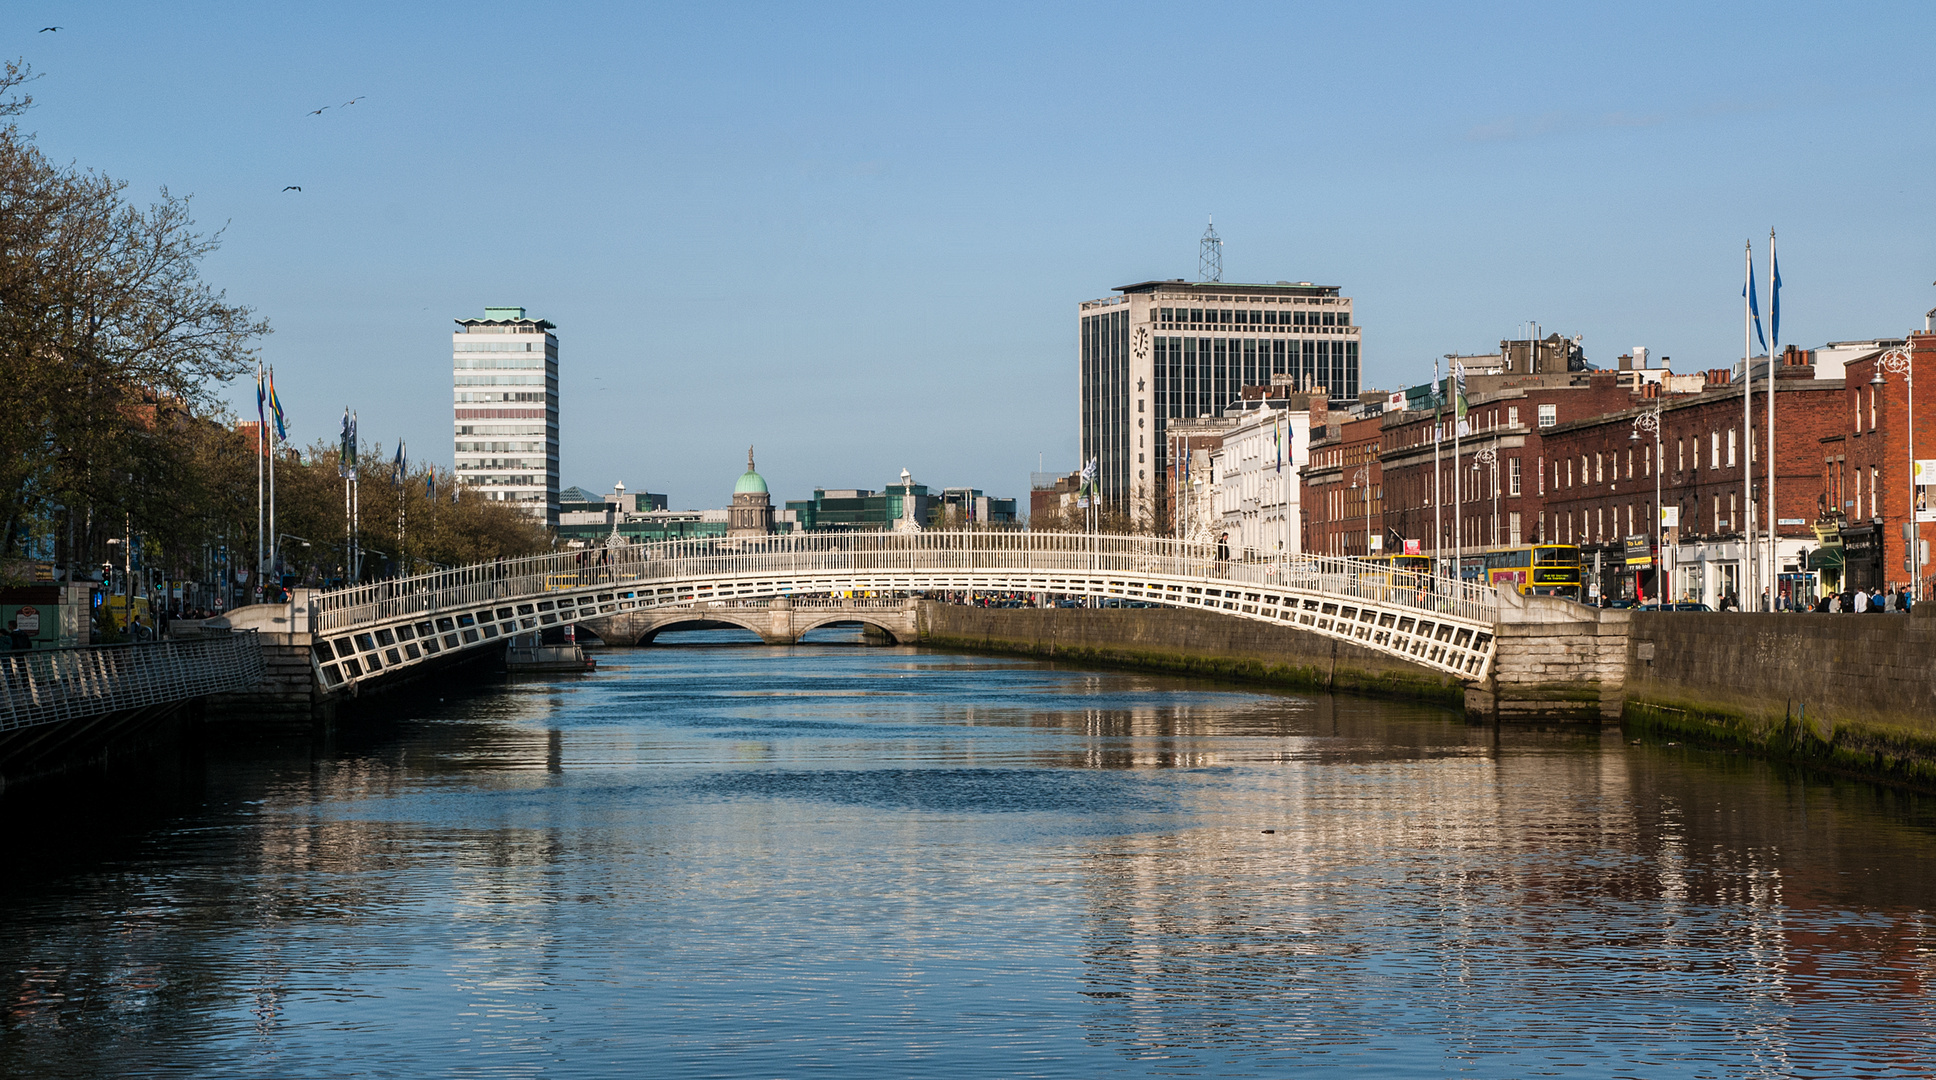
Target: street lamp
(1489,457)
(1649,422)
(1363,476)
(618,509)
(1900,361)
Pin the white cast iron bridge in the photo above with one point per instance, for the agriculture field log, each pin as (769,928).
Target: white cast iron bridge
(382,630)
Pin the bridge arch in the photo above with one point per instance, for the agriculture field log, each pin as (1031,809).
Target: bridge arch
(701,621)
(1438,623)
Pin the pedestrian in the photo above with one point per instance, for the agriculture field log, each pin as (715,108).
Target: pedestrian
(1875,601)
(1861,606)
(17,639)
(1889,601)
(1223,548)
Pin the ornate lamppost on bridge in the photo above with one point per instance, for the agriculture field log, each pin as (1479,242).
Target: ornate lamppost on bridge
(1649,421)
(1489,457)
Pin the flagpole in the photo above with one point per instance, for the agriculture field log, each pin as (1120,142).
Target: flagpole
(261,426)
(272,505)
(1458,495)
(1774,346)
(1438,500)
(1751,556)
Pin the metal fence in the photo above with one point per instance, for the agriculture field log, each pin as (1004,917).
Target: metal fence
(49,685)
(940,555)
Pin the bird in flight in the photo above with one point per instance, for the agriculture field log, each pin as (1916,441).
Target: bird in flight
(48,29)
(292,187)
(353,101)
(318,112)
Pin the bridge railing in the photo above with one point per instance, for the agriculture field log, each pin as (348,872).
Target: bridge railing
(828,554)
(48,685)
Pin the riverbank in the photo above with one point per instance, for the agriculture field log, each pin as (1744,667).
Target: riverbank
(1184,642)
(1854,695)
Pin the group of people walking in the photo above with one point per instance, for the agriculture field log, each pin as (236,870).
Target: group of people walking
(1860,602)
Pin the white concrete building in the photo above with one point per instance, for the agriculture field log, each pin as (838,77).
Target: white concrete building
(505,382)
(1174,350)
(1256,472)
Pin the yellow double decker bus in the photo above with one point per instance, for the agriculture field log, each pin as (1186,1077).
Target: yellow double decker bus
(1533,569)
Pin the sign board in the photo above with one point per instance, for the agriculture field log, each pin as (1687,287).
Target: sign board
(27,619)
(1785,522)
(1670,517)
(1377,543)
(1640,551)
(1925,479)
(1411,547)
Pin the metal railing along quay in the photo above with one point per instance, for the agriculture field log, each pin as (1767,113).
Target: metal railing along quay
(941,556)
(50,685)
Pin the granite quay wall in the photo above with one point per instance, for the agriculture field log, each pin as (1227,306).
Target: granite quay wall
(1853,693)
(1184,642)
(1553,660)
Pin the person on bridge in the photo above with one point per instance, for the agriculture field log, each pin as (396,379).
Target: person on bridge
(1223,549)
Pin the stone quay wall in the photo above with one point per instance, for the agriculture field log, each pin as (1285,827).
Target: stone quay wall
(1554,661)
(1853,693)
(1184,642)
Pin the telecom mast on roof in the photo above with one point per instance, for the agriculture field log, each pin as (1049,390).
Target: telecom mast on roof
(1210,260)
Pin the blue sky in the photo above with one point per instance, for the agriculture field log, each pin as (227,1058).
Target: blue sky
(855,235)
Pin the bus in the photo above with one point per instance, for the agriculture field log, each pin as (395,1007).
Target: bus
(1533,569)
(1399,571)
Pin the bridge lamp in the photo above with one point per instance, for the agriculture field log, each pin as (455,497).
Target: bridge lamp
(1649,422)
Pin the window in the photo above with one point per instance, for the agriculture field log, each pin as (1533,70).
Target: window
(1512,416)
(1549,415)
(1512,526)
(1875,484)
(1512,482)
(1857,504)
(1872,408)
(1731,510)
(1600,523)
(1630,463)
(1680,456)
(1599,474)
(1270,318)
(1646,461)
(1344,318)
(1717,513)
(1331,319)
(1223,315)
(1196,315)
(1713,450)
(1731,434)
(1569,473)
(1542,489)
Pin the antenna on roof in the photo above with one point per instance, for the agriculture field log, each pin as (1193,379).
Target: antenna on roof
(1210,259)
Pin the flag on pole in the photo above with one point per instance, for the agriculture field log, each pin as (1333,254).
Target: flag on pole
(430,486)
(1754,309)
(1277,437)
(346,464)
(260,397)
(399,466)
(275,409)
(1774,291)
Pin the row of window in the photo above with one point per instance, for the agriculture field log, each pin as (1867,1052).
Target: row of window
(505,380)
(531,427)
(466,346)
(500,447)
(514,363)
(519,396)
(1254,316)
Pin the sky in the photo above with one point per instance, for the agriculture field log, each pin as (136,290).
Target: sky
(855,236)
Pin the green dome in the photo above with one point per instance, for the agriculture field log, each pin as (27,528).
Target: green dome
(750,482)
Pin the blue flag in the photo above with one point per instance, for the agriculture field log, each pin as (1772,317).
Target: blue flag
(1774,300)
(430,485)
(1754,309)
(399,467)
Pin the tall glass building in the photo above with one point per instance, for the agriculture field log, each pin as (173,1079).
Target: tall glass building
(505,376)
(1165,349)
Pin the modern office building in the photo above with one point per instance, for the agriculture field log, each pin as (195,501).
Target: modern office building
(505,379)
(1162,350)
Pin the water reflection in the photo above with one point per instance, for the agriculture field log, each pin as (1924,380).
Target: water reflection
(728,861)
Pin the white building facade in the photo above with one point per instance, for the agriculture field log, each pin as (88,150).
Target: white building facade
(1257,487)
(505,381)
(1163,350)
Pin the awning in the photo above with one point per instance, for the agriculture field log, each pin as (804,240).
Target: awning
(1825,559)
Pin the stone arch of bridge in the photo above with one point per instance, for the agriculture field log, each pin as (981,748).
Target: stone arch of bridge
(706,621)
(896,637)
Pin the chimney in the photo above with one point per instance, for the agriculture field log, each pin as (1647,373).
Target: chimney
(1626,362)
(1719,376)
(1640,357)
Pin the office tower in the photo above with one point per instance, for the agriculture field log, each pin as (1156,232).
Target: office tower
(505,376)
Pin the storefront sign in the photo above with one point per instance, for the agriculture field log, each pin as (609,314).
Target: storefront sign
(1670,517)
(1785,522)
(1640,552)
(27,619)
(1925,480)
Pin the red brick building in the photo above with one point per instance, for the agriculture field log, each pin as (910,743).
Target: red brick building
(1600,474)
(1865,463)
(1343,497)
(1490,490)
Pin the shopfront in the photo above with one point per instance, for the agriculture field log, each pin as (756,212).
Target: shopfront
(1862,557)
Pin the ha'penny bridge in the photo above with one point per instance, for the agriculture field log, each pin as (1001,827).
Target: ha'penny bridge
(300,659)
(781,587)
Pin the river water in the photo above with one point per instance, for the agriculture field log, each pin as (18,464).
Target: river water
(722,860)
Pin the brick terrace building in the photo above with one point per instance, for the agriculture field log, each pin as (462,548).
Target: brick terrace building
(1865,464)
(1498,503)
(1600,484)
(1344,514)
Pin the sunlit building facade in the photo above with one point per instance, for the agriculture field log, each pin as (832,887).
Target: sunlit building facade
(505,376)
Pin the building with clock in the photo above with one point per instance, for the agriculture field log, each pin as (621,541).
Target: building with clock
(1160,350)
